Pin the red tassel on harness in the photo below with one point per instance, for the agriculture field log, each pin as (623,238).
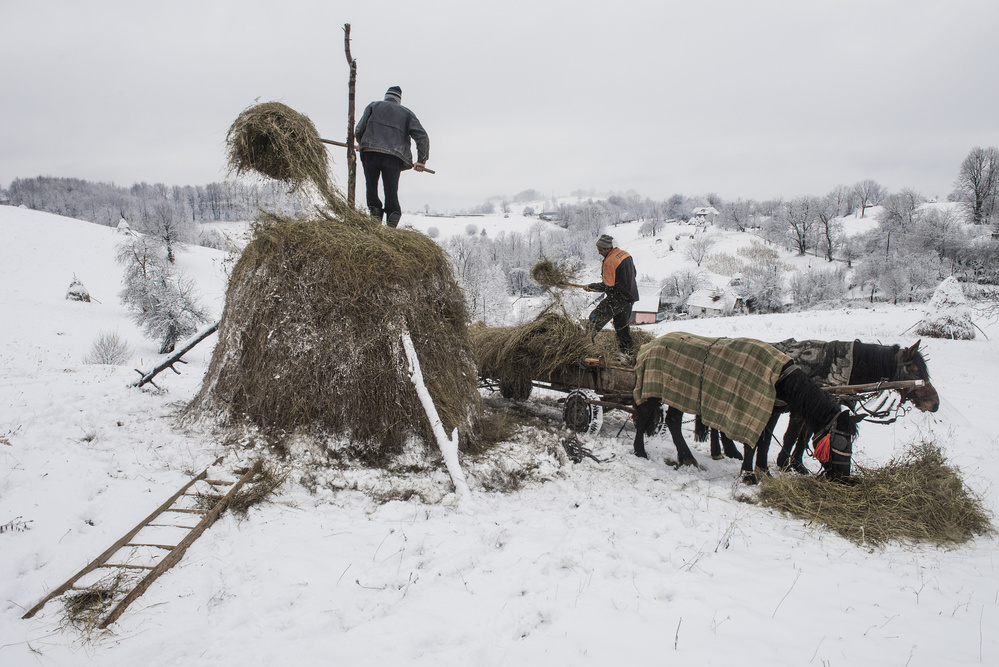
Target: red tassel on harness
(821,449)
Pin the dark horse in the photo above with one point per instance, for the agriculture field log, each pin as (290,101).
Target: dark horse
(871,363)
(791,386)
(836,363)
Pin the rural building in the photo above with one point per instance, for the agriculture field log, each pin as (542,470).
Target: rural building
(713,303)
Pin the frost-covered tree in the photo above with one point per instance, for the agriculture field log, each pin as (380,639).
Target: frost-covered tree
(978,183)
(163,303)
(869,193)
(679,285)
(814,286)
(697,250)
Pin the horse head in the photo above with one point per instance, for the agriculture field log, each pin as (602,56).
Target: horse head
(912,366)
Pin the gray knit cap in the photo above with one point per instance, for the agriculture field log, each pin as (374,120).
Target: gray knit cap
(395,93)
(605,241)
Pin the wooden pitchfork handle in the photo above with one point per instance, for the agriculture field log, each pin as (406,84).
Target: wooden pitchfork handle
(343,145)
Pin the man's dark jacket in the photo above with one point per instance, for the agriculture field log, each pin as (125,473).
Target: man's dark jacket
(387,127)
(619,277)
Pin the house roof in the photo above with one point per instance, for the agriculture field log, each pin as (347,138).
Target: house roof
(712,299)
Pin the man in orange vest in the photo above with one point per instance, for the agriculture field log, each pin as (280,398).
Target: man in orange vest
(621,292)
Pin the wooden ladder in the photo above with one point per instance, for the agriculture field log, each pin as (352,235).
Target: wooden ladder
(173,552)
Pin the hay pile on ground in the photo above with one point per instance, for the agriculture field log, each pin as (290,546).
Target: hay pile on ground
(916,497)
(531,351)
(310,336)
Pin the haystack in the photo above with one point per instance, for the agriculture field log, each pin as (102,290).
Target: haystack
(310,339)
(948,314)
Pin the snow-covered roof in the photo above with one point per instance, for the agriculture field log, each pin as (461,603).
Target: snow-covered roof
(713,299)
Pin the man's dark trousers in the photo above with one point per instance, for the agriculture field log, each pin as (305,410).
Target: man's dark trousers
(387,167)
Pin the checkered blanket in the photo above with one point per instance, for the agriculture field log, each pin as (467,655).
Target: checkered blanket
(728,381)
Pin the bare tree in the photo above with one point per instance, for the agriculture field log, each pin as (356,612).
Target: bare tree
(800,217)
(978,183)
(827,213)
(698,248)
(869,193)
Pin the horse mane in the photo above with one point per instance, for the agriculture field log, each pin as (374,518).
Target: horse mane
(873,362)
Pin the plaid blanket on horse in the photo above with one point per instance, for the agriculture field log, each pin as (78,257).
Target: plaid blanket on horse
(728,381)
(829,363)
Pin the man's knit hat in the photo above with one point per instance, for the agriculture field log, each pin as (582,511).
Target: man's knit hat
(605,241)
(394,93)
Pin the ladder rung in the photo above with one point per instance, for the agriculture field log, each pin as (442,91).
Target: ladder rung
(219,482)
(188,511)
(127,566)
(167,547)
(167,525)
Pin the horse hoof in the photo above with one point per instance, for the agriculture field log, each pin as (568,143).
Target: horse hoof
(641,454)
(798,467)
(749,479)
(762,472)
(717,457)
(688,462)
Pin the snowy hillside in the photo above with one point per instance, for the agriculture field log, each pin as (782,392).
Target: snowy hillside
(625,562)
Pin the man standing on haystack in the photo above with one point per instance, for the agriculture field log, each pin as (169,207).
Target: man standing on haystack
(621,293)
(383,134)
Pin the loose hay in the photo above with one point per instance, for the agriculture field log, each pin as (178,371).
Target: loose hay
(310,336)
(537,348)
(276,141)
(916,497)
(550,274)
(259,490)
(86,610)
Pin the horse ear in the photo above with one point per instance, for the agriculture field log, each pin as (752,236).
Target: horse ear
(910,352)
(857,418)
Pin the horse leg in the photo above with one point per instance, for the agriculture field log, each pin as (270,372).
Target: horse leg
(795,423)
(674,420)
(645,419)
(716,452)
(796,464)
(763,444)
(731,450)
(793,445)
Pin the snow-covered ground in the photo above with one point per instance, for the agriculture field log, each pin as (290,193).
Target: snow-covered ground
(626,562)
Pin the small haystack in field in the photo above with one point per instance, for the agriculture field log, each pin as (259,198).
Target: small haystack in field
(948,314)
(311,336)
(917,497)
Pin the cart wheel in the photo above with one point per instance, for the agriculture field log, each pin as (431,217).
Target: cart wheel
(516,390)
(581,416)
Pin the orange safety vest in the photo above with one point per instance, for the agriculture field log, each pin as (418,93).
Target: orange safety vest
(609,267)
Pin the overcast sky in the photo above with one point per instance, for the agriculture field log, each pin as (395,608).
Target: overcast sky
(752,99)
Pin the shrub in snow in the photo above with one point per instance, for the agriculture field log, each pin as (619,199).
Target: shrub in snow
(77,292)
(947,315)
(110,349)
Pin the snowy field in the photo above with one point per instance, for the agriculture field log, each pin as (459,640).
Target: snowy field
(626,562)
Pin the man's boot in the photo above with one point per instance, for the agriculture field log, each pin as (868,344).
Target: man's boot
(393,219)
(375,212)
